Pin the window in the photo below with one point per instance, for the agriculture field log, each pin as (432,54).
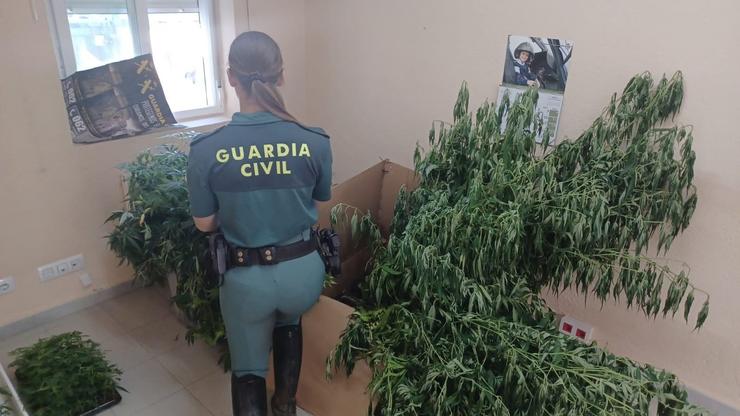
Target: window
(178,33)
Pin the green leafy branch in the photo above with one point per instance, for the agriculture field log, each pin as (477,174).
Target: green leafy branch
(451,320)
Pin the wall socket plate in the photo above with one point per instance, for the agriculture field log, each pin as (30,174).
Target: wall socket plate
(47,272)
(76,263)
(61,267)
(582,331)
(7,285)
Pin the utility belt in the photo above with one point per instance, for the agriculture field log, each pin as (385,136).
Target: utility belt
(271,255)
(225,256)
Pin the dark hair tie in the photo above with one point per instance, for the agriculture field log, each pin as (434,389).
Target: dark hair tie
(254,76)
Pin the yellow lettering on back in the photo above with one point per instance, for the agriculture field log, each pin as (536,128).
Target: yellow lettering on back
(266,167)
(304,151)
(293,146)
(286,171)
(268,150)
(282,149)
(245,168)
(222,156)
(240,155)
(254,152)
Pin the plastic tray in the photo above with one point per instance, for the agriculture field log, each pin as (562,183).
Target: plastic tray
(107,405)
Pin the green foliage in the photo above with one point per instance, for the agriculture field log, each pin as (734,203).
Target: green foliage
(4,409)
(64,375)
(157,215)
(451,320)
(157,236)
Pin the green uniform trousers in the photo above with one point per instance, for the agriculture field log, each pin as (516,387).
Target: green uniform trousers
(257,299)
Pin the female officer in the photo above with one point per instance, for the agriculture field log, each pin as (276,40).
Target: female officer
(257,178)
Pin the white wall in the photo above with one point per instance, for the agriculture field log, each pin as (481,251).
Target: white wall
(284,20)
(379,72)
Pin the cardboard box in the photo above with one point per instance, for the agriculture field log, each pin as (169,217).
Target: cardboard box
(374,190)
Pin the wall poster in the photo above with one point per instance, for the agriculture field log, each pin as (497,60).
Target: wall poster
(542,63)
(116,100)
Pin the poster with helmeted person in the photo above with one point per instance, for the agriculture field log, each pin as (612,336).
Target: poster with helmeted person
(542,63)
(537,62)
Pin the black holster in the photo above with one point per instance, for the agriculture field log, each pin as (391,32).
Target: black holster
(219,250)
(329,246)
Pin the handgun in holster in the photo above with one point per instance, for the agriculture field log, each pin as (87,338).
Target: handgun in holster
(218,248)
(329,245)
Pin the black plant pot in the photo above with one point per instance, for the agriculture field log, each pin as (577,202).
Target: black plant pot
(110,402)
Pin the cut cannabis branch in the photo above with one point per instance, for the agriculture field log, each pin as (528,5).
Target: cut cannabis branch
(451,320)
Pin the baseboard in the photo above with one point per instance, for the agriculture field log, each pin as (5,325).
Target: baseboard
(60,311)
(715,406)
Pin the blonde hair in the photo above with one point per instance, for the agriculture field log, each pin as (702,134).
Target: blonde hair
(256,61)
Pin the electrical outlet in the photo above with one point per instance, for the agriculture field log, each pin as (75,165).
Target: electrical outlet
(76,263)
(62,268)
(7,285)
(578,329)
(47,272)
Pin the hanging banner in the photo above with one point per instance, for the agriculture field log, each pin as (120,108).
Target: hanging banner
(116,100)
(542,63)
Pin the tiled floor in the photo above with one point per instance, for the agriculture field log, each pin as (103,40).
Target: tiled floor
(163,374)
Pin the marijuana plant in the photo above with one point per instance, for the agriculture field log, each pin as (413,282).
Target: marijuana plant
(65,375)
(451,320)
(156,235)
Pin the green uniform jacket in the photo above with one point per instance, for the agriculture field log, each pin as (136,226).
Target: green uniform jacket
(261,175)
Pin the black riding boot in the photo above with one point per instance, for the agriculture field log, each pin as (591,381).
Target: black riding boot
(248,395)
(287,348)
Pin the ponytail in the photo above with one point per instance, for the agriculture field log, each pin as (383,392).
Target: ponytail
(255,59)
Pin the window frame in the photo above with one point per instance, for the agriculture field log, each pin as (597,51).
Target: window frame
(139,22)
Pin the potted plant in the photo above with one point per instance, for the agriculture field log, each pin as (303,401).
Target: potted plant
(66,375)
(156,235)
(451,320)
(156,216)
